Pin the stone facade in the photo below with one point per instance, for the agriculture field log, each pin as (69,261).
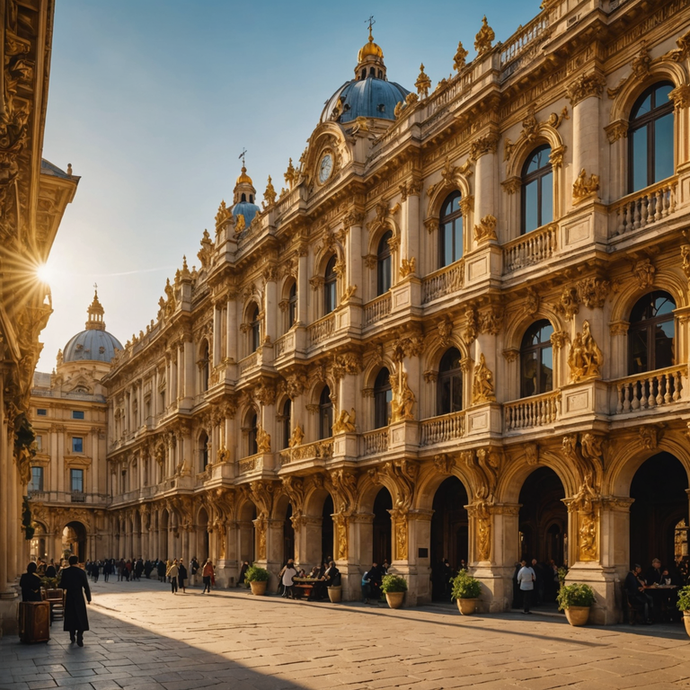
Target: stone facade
(246,418)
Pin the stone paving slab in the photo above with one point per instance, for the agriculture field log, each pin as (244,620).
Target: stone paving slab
(144,637)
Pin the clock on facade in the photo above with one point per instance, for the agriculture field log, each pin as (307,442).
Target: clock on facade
(325,167)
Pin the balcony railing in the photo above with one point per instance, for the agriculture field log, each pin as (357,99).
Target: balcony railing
(375,442)
(535,411)
(443,282)
(530,249)
(250,463)
(308,451)
(377,309)
(249,362)
(444,428)
(522,39)
(645,391)
(643,208)
(321,330)
(284,344)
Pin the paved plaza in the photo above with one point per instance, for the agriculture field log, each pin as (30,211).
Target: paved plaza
(143,637)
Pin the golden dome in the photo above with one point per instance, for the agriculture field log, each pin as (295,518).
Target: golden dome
(369,48)
(244,178)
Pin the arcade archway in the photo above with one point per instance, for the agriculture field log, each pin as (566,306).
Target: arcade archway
(327,530)
(74,540)
(381,550)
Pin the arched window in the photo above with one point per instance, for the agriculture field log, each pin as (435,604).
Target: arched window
(330,287)
(383,265)
(203,451)
(450,235)
(651,336)
(325,413)
(536,360)
(537,190)
(252,447)
(204,367)
(449,388)
(287,422)
(383,395)
(292,305)
(650,137)
(254,330)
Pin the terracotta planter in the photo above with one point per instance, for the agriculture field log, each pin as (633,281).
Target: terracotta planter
(577,615)
(686,620)
(335,594)
(395,599)
(258,588)
(467,606)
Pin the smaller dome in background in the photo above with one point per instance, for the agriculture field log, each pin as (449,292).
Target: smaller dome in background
(244,195)
(93,344)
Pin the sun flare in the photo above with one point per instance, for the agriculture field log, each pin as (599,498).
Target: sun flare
(44,273)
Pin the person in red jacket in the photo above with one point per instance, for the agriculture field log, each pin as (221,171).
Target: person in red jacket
(207,574)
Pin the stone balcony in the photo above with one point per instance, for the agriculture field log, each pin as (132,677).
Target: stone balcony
(532,412)
(644,208)
(447,427)
(660,388)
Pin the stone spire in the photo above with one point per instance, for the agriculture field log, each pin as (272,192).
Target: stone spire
(95,312)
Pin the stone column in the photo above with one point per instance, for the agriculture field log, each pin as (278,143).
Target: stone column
(483,152)
(303,290)
(270,306)
(217,333)
(419,557)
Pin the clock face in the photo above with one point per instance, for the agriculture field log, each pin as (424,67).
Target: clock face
(325,167)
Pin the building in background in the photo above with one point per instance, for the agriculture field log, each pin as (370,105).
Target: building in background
(459,332)
(33,197)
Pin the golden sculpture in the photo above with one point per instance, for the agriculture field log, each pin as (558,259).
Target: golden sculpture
(483,39)
(483,539)
(585,187)
(460,58)
(401,538)
(263,440)
(423,83)
(486,230)
(588,537)
(345,423)
(585,358)
(297,437)
(483,383)
(408,267)
(240,224)
(404,399)
(270,193)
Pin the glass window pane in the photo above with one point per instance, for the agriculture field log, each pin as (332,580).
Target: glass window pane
(457,394)
(639,159)
(546,199)
(77,482)
(661,95)
(664,351)
(77,444)
(644,107)
(457,239)
(638,351)
(447,244)
(546,378)
(663,147)
(529,366)
(530,211)
(444,397)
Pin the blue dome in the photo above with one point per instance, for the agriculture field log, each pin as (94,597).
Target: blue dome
(368,97)
(91,345)
(246,209)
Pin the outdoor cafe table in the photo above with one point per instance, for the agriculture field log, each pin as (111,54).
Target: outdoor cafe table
(664,597)
(306,584)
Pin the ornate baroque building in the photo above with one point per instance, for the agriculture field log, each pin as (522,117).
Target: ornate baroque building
(460,331)
(33,197)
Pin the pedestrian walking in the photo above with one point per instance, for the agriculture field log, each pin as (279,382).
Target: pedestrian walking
(207,575)
(182,575)
(526,578)
(289,574)
(75,583)
(172,573)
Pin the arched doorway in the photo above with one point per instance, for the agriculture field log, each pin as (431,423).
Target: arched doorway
(74,540)
(327,530)
(381,550)
(659,514)
(38,546)
(288,535)
(449,534)
(543,528)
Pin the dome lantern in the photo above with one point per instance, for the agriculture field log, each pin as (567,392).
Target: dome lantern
(370,61)
(244,196)
(95,312)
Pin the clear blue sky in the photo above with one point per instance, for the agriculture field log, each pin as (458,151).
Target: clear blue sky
(153,100)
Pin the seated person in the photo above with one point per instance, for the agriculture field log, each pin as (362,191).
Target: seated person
(302,573)
(332,576)
(314,572)
(634,590)
(653,575)
(30,584)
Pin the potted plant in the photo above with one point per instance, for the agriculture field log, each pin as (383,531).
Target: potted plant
(465,591)
(394,587)
(684,606)
(576,600)
(258,578)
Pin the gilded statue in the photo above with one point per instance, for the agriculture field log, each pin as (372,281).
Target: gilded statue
(483,539)
(263,440)
(483,383)
(240,224)
(588,538)
(345,423)
(297,437)
(223,454)
(585,358)
(585,187)
(402,405)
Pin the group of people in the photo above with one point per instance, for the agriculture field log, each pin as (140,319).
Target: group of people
(534,583)
(653,593)
(321,577)
(371,582)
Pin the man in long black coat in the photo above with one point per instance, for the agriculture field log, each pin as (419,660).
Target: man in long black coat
(76,584)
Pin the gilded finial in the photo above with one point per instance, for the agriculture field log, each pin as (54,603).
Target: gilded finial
(460,57)
(371,21)
(69,169)
(483,39)
(270,193)
(423,83)
(290,174)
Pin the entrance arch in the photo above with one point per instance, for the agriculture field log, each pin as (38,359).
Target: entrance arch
(74,540)
(449,534)
(659,510)
(381,547)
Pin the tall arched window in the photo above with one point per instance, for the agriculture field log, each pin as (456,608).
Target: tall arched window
(254,330)
(537,190)
(330,287)
(325,413)
(651,336)
(383,265)
(252,447)
(536,360)
(383,396)
(203,451)
(292,305)
(449,387)
(204,366)
(287,422)
(650,137)
(450,235)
